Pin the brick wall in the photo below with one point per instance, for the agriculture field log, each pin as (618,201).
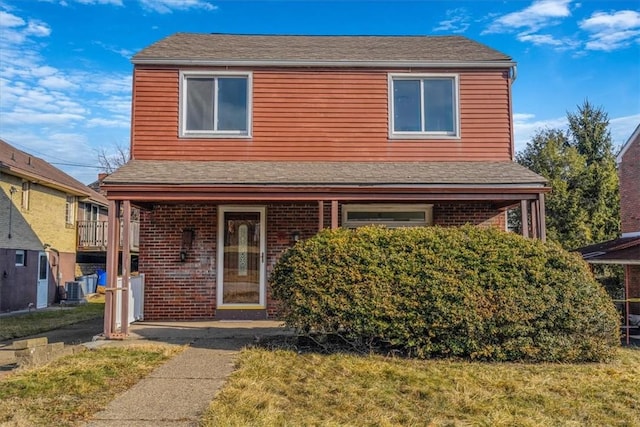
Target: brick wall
(456,214)
(282,221)
(629,174)
(174,289)
(187,290)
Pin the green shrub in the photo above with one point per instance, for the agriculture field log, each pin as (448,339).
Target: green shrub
(463,292)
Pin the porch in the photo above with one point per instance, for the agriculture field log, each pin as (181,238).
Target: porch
(188,207)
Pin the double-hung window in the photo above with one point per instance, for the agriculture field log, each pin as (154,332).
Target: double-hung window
(215,104)
(423,106)
(69,211)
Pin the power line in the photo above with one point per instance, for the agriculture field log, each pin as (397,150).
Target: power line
(76,165)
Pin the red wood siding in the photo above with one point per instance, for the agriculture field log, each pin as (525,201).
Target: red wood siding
(629,174)
(322,115)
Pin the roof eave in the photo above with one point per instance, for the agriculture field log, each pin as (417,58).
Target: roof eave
(34,178)
(344,64)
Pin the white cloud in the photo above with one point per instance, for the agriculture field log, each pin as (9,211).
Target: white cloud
(611,31)
(123,122)
(43,71)
(8,20)
(540,14)
(458,21)
(38,29)
(525,127)
(55,82)
(31,117)
(168,6)
(90,2)
(622,127)
(548,40)
(41,103)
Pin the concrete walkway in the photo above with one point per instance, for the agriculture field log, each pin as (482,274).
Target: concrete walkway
(178,392)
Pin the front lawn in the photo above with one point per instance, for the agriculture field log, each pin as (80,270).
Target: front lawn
(281,387)
(73,388)
(35,322)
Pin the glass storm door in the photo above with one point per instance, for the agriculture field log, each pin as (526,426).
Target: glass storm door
(241,257)
(42,289)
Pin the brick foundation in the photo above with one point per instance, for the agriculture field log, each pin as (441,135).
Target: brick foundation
(186,290)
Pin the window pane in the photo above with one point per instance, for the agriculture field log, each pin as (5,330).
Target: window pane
(200,107)
(391,216)
(439,107)
(232,103)
(20,258)
(406,105)
(43,271)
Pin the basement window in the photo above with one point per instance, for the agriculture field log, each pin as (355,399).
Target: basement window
(389,215)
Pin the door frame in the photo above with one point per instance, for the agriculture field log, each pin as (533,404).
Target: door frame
(42,283)
(262,210)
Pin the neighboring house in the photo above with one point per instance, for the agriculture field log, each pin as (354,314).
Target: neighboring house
(626,249)
(38,209)
(92,232)
(241,145)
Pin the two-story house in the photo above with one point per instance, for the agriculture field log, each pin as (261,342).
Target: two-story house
(626,249)
(242,144)
(38,240)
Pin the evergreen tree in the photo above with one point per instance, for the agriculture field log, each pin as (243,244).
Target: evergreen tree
(584,204)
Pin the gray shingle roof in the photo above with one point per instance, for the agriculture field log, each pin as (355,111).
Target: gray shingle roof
(224,173)
(18,162)
(190,47)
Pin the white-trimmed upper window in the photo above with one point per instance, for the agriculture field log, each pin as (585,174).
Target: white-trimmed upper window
(390,215)
(20,258)
(69,210)
(215,104)
(423,106)
(26,190)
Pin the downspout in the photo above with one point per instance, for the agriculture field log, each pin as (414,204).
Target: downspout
(513,74)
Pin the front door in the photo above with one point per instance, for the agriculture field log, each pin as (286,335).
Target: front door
(42,290)
(241,258)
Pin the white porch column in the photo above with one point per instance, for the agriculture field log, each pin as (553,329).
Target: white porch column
(126,267)
(113,243)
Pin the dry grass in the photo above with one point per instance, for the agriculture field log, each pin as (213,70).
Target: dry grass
(283,388)
(73,388)
(22,325)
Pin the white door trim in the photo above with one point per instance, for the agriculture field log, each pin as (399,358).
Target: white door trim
(262,210)
(42,284)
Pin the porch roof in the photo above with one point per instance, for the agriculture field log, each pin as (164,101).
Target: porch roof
(323,173)
(624,250)
(148,180)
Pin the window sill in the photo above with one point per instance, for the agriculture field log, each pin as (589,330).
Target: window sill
(423,136)
(215,136)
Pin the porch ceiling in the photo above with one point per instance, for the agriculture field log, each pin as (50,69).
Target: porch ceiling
(150,180)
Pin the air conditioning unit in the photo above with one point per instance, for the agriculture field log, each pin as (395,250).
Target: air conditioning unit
(74,291)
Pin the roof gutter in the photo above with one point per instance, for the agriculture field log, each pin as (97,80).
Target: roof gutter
(36,179)
(343,64)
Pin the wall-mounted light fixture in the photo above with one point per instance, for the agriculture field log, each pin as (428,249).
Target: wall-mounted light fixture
(188,235)
(295,236)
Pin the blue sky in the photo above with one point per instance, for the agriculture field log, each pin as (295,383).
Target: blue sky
(65,70)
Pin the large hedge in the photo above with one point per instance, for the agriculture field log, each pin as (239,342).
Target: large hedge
(462,292)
